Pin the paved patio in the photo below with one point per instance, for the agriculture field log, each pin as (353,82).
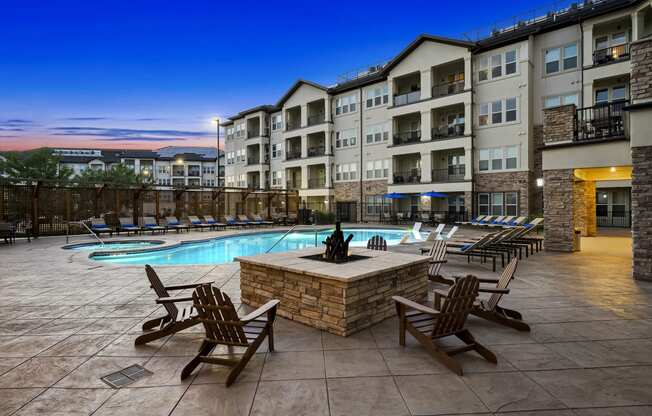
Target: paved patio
(67,322)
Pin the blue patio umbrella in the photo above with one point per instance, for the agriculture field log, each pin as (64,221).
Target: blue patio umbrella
(395,195)
(433,194)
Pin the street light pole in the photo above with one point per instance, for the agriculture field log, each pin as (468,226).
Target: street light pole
(217,143)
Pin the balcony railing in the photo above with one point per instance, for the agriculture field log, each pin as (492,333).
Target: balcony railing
(293,154)
(253,133)
(316,183)
(293,185)
(407,137)
(454,173)
(253,161)
(409,98)
(316,119)
(293,125)
(445,132)
(600,121)
(254,185)
(613,53)
(316,151)
(448,88)
(408,176)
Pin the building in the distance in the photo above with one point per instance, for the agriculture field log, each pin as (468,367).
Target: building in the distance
(463,118)
(168,166)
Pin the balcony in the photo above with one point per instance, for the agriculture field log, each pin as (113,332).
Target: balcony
(407,137)
(454,173)
(408,98)
(253,133)
(611,54)
(601,121)
(253,161)
(293,154)
(315,119)
(448,88)
(293,185)
(316,151)
(317,183)
(447,132)
(408,176)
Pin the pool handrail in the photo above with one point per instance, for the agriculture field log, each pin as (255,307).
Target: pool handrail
(280,239)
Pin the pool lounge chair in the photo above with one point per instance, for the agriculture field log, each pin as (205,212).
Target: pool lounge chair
(223,327)
(233,222)
(208,219)
(473,221)
(517,221)
(176,319)
(496,221)
(486,220)
(489,308)
(195,222)
(261,221)
(126,224)
(434,235)
(8,232)
(377,243)
(450,233)
(475,249)
(173,223)
(428,325)
(98,226)
(503,222)
(149,224)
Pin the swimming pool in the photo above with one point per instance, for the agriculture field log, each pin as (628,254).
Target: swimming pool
(224,249)
(113,245)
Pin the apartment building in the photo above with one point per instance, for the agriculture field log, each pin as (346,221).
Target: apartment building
(463,118)
(168,166)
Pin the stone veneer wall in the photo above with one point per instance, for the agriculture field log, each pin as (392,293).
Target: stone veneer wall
(341,308)
(558,209)
(559,123)
(506,182)
(642,212)
(641,91)
(350,191)
(591,220)
(536,192)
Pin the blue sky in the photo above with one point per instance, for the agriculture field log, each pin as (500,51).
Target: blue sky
(145,74)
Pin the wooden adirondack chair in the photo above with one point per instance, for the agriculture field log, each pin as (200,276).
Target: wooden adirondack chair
(437,259)
(489,309)
(428,325)
(176,319)
(377,243)
(224,327)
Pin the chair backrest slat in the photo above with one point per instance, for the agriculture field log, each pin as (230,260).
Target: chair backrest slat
(161,291)
(437,252)
(503,282)
(377,242)
(218,315)
(457,306)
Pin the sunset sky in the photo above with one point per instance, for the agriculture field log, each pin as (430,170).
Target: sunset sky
(146,74)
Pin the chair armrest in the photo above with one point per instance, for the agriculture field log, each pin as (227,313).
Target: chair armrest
(494,290)
(173,300)
(186,286)
(437,261)
(413,305)
(438,297)
(269,306)
(495,281)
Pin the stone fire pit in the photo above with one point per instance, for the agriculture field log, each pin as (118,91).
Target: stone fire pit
(339,298)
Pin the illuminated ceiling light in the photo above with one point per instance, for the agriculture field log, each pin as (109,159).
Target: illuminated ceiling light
(539,182)
(612,169)
(179,161)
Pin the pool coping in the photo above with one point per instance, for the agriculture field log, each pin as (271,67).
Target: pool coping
(231,233)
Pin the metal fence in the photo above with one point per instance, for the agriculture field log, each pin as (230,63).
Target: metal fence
(47,208)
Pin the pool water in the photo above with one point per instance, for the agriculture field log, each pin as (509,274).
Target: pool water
(113,245)
(223,250)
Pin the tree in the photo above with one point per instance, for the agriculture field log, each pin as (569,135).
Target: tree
(118,174)
(38,164)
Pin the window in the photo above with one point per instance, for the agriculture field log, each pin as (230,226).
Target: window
(229,133)
(277,178)
(496,66)
(377,133)
(496,112)
(511,157)
(557,100)
(346,104)
(483,204)
(496,158)
(277,122)
(570,56)
(484,160)
(377,96)
(345,138)
(376,204)
(618,38)
(510,110)
(552,57)
(618,93)
(277,150)
(377,169)
(510,62)
(346,172)
(497,203)
(601,96)
(484,114)
(239,130)
(601,42)
(483,69)
(511,203)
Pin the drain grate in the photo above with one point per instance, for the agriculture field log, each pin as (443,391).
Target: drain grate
(126,376)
